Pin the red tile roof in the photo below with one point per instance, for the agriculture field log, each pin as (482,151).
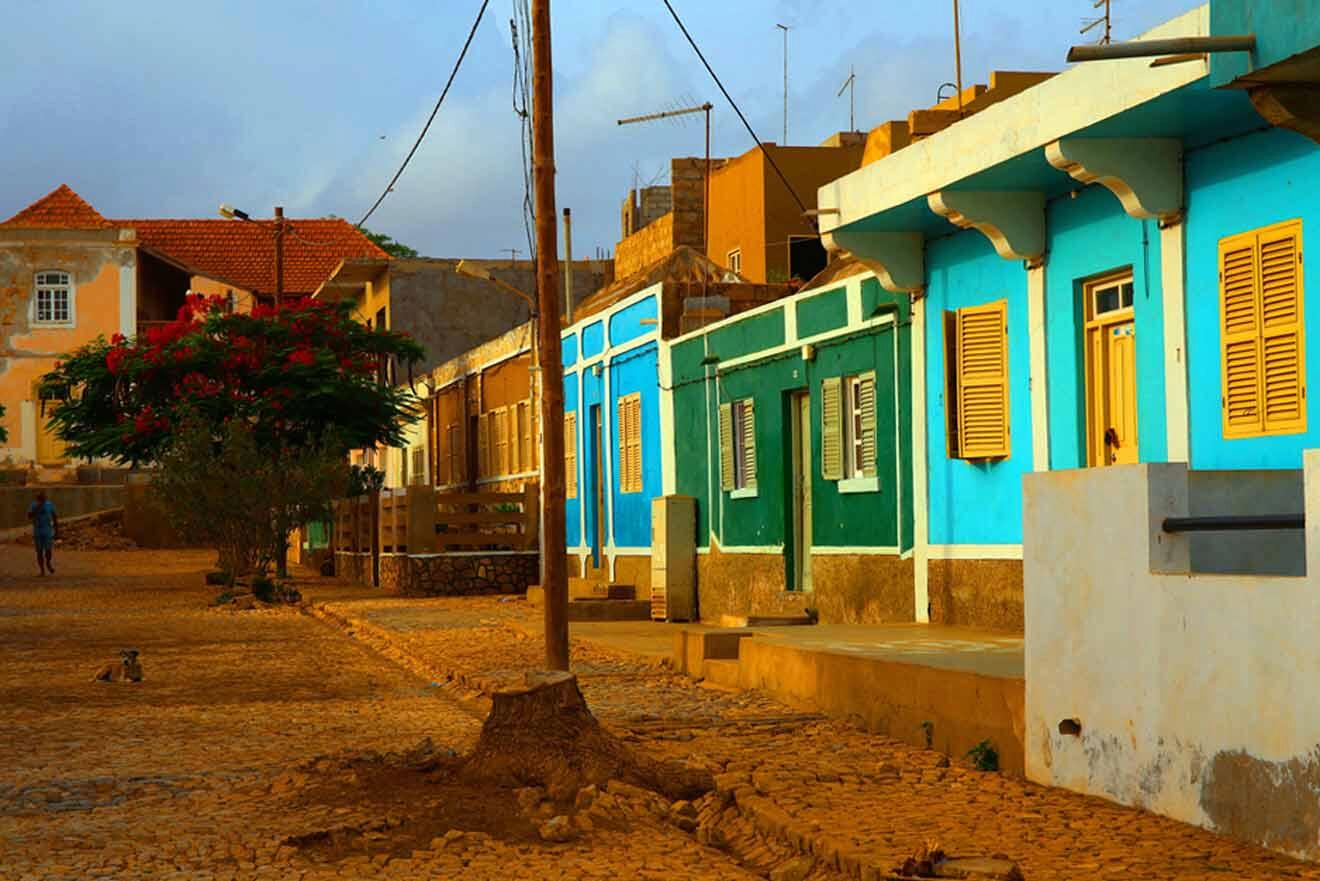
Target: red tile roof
(242,253)
(60,209)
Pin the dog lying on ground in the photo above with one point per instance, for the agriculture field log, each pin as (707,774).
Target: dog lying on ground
(127,669)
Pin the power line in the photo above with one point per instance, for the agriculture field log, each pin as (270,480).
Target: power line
(736,109)
(453,73)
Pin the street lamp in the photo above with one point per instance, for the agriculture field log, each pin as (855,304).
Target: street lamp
(229,212)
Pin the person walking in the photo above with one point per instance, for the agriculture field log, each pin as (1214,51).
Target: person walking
(45,522)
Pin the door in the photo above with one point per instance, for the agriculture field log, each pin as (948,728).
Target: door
(1111,372)
(597,489)
(50,450)
(800,490)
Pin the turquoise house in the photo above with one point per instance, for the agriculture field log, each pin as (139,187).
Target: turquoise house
(1107,268)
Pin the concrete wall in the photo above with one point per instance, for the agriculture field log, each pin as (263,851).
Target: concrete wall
(1247,492)
(450,313)
(1190,692)
(647,245)
(70,501)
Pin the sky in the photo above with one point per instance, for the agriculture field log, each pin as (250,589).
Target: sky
(312,104)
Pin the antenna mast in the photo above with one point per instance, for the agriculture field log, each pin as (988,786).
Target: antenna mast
(1091,23)
(785,28)
(850,84)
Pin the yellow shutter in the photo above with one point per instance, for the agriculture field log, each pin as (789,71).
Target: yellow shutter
(866,394)
(726,447)
(983,381)
(457,454)
(831,429)
(748,431)
(570,455)
(527,447)
(483,445)
(1283,380)
(630,443)
(1239,286)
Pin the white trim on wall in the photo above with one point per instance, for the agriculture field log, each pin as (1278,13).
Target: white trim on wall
(974,552)
(842,551)
(668,452)
(128,293)
(1038,379)
(1173,284)
(920,527)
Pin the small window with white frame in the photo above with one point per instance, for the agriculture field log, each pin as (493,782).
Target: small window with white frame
(860,426)
(738,447)
(735,260)
(52,300)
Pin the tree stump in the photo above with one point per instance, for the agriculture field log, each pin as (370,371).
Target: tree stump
(543,734)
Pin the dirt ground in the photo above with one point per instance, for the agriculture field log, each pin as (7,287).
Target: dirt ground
(243,752)
(290,744)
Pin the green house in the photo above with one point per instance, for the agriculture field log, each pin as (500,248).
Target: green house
(793,432)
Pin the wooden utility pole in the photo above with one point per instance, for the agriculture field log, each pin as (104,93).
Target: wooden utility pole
(279,256)
(554,539)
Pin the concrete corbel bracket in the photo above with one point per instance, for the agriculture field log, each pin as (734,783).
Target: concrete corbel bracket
(1014,222)
(1294,106)
(897,258)
(1144,173)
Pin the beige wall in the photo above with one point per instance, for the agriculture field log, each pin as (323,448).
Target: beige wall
(1192,692)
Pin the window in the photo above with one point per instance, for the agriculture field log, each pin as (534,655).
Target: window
(419,465)
(53,298)
(570,455)
(738,446)
(630,443)
(976,381)
(735,260)
(526,447)
(847,431)
(483,446)
(1264,358)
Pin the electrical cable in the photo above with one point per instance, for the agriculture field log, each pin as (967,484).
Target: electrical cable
(736,109)
(453,73)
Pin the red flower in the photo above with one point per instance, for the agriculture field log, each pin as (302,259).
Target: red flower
(303,356)
(114,360)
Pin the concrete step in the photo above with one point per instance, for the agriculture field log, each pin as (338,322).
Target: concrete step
(585,589)
(720,672)
(765,620)
(609,610)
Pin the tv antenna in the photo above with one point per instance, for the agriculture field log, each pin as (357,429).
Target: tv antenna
(851,85)
(1089,24)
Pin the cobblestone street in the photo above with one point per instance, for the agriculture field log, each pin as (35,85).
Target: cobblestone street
(253,749)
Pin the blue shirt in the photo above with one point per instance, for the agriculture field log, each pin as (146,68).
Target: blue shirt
(43,519)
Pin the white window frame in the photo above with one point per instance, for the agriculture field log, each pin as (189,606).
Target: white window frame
(855,479)
(68,286)
(734,259)
(744,484)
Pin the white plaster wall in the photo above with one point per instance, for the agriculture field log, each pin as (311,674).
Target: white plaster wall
(1194,693)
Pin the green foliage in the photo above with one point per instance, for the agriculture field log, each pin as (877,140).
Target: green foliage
(240,498)
(389,245)
(295,376)
(984,756)
(364,480)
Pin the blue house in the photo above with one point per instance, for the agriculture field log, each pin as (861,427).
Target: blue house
(1106,268)
(614,418)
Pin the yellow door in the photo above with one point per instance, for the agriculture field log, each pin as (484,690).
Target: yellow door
(1122,393)
(50,450)
(1111,372)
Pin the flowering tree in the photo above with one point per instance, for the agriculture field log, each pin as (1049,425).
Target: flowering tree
(295,375)
(288,391)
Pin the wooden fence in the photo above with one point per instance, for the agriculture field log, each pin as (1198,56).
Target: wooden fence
(418,520)
(488,520)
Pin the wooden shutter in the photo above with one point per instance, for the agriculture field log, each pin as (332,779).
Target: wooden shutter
(570,455)
(831,429)
(528,448)
(1239,286)
(747,431)
(1264,357)
(951,437)
(483,445)
(726,447)
(1283,380)
(866,396)
(983,381)
(630,443)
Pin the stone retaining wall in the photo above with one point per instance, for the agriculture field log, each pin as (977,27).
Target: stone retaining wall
(463,574)
(354,567)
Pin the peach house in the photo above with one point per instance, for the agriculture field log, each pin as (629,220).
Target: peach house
(69,274)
